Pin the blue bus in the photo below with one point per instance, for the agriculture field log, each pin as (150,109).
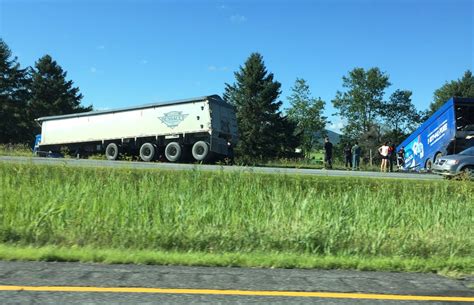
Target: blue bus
(448,131)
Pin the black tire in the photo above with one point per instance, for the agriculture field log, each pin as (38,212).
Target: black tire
(468,172)
(428,165)
(112,151)
(200,151)
(147,152)
(437,156)
(173,152)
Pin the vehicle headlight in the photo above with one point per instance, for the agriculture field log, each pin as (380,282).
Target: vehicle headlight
(452,162)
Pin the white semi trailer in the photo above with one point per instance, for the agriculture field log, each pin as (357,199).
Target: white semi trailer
(200,127)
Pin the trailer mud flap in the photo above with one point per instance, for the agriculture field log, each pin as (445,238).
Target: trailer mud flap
(219,145)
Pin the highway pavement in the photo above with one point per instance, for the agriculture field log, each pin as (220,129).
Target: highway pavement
(77,283)
(206,167)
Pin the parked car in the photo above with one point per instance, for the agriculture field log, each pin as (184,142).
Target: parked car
(454,165)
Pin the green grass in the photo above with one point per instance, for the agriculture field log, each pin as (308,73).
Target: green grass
(257,220)
(254,259)
(20,150)
(316,161)
(315,164)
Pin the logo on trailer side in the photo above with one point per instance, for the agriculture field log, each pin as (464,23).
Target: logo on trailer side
(438,133)
(173,118)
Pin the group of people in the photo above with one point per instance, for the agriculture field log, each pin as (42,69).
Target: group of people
(390,156)
(386,151)
(352,155)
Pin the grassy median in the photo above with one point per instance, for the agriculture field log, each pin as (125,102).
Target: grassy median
(272,220)
(17,150)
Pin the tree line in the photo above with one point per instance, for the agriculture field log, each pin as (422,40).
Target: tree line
(30,93)
(266,130)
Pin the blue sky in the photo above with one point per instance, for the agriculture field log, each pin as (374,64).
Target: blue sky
(123,53)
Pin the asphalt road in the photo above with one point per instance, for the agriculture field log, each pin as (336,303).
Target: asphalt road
(205,167)
(252,281)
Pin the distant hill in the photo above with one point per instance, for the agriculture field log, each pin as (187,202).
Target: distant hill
(334,137)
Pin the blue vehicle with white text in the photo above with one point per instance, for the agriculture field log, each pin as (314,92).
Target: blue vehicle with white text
(448,131)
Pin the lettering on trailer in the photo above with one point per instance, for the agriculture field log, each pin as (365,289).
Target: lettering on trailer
(173,118)
(438,133)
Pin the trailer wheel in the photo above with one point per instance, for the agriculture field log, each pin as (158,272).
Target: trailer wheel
(428,165)
(173,152)
(200,151)
(147,152)
(468,172)
(112,151)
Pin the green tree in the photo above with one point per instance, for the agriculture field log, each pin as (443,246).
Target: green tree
(286,138)
(13,97)
(463,87)
(306,113)
(260,122)
(400,116)
(360,105)
(51,93)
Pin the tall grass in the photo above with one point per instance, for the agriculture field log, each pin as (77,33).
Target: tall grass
(316,164)
(230,212)
(15,150)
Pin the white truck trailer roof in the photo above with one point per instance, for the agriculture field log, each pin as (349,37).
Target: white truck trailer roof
(208,114)
(212,98)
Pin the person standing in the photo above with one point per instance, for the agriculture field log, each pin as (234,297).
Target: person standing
(348,156)
(355,156)
(328,153)
(383,151)
(391,156)
(401,158)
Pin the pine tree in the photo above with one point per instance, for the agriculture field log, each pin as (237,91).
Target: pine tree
(262,129)
(13,98)
(51,93)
